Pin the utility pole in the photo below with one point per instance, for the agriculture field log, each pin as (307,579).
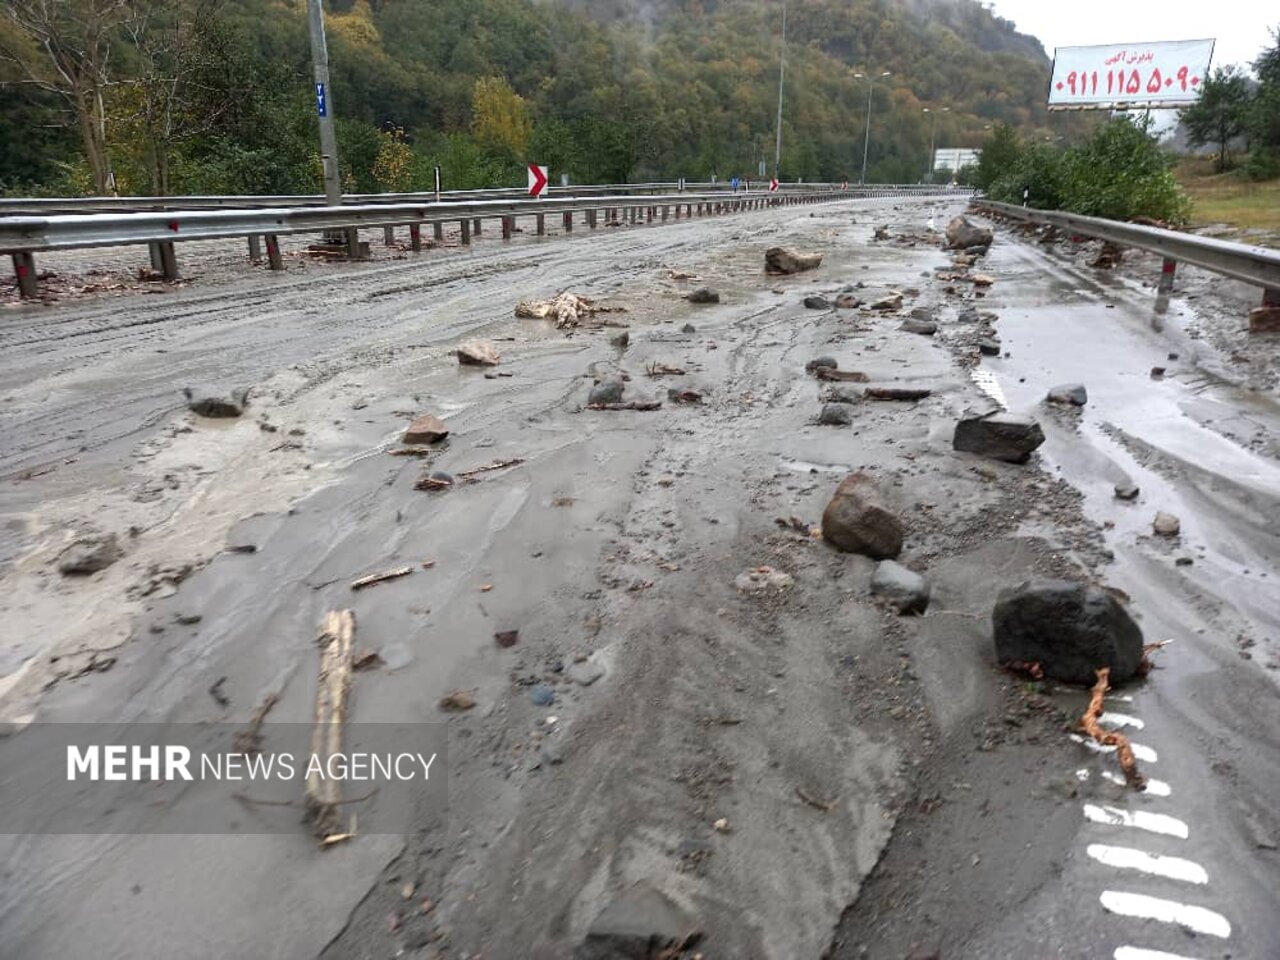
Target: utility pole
(866,139)
(328,140)
(782,69)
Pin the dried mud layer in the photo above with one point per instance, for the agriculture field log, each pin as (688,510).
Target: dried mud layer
(746,753)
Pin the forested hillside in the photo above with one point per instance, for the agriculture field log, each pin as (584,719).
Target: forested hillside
(181,96)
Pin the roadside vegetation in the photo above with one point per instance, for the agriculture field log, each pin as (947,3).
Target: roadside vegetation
(1229,198)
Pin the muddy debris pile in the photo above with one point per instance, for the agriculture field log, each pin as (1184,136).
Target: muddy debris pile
(567,309)
(89,554)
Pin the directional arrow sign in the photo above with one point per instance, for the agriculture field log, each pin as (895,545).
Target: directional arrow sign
(773,185)
(537,180)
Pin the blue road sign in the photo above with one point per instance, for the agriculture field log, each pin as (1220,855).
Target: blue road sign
(322,103)
(735,183)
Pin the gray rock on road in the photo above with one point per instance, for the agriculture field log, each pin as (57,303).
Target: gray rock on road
(835,415)
(89,555)
(1070,629)
(962,234)
(641,924)
(479,353)
(989,347)
(425,429)
(859,520)
(704,295)
(905,589)
(892,301)
(213,402)
(1127,491)
(817,302)
(847,301)
(1166,525)
(1001,436)
(828,362)
(606,391)
(1069,393)
(786,260)
(926,328)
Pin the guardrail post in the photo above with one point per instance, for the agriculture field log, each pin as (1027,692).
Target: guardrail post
(666,212)
(255,248)
(437,232)
(648,211)
(592,216)
(157,262)
(1167,270)
(477,226)
(466,233)
(168,260)
(568,221)
(507,224)
(389,236)
(1266,318)
(415,236)
(274,260)
(542,224)
(24,268)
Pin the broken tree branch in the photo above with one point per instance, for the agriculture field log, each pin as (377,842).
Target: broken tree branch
(324,794)
(1111,738)
(373,578)
(496,465)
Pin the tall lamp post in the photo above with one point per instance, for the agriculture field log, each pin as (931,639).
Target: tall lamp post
(866,138)
(782,69)
(933,133)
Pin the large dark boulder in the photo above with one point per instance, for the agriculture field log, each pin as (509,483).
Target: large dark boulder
(1070,629)
(215,402)
(641,924)
(1001,436)
(858,520)
(962,233)
(785,260)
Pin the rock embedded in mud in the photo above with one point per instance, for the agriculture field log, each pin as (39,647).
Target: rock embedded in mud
(1166,525)
(962,234)
(968,315)
(893,301)
(761,579)
(212,402)
(847,301)
(1126,491)
(858,520)
(816,302)
(989,347)
(89,554)
(1073,394)
(641,924)
(904,589)
(479,353)
(427,428)
(542,695)
(606,391)
(921,313)
(704,295)
(828,362)
(1001,436)
(835,415)
(1070,629)
(926,328)
(786,260)
(585,672)
(688,328)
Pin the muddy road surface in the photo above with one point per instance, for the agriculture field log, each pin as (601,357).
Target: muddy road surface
(677,739)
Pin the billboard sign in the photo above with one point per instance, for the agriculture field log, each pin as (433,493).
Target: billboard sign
(1162,74)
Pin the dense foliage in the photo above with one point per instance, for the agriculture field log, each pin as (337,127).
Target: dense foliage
(1119,173)
(203,96)
(1228,106)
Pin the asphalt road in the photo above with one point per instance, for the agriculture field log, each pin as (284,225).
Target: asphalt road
(618,538)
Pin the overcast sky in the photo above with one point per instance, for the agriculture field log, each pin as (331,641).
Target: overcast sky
(1239,26)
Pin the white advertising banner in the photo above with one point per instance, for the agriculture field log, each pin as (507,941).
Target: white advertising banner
(1162,74)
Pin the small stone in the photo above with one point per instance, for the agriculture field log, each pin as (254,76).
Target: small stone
(211,402)
(926,328)
(1069,393)
(722,825)
(607,391)
(688,328)
(507,638)
(785,260)
(828,362)
(906,590)
(1183,562)
(542,695)
(968,315)
(425,429)
(989,347)
(704,295)
(621,340)
(982,280)
(847,301)
(1126,491)
(921,313)
(188,619)
(835,415)
(585,672)
(816,302)
(457,701)
(1166,524)
(88,555)
(479,353)
(892,301)
(1157,373)
(760,579)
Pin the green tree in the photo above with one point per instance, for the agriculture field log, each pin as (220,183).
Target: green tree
(999,153)
(1219,113)
(500,117)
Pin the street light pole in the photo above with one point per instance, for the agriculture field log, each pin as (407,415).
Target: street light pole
(933,133)
(782,69)
(866,138)
(324,105)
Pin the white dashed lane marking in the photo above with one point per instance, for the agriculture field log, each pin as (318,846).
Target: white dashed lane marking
(1196,919)
(1127,858)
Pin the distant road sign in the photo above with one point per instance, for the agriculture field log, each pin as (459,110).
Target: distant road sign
(322,102)
(1166,74)
(773,185)
(735,183)
(537,180)
(844,184)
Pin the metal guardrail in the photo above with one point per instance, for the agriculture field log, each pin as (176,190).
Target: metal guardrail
(1259,266)
(40,206)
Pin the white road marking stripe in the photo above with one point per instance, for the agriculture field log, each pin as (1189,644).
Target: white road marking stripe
(1142,752)
(1117,720)
(1137,953)
(1141,819)
(1120,697)
(1166,911)
(1127,858)
(1157,788)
